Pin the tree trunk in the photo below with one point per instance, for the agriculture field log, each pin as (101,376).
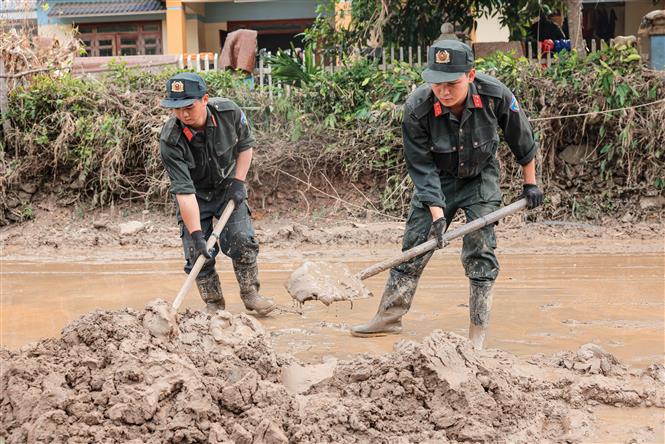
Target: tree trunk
(575,26)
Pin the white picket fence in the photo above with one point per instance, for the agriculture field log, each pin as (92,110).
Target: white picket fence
(326,60)
(330,60)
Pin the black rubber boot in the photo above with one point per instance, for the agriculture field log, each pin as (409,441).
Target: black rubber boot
(480,305)
(248,280)
(395,303)
(211,292)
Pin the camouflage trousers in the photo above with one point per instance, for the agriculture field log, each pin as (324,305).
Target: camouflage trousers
(237,239)
(476,196)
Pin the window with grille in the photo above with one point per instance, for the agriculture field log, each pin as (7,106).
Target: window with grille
(121,39)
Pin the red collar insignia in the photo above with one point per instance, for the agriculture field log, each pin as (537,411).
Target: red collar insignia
(438,110)
(188,133)
(214,122)
(477,102)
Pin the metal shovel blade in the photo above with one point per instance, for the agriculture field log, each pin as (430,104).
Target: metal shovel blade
(330,283)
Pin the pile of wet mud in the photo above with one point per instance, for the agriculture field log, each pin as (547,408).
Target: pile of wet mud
(218,379)
(325,282)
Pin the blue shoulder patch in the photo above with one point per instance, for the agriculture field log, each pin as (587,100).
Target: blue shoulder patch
(243,119)
(514,106)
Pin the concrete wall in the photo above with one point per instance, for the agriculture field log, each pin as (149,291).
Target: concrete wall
(635,10)
(192,30)
(490,30)
(201,36)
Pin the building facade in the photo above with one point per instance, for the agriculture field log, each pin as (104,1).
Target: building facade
(146,27)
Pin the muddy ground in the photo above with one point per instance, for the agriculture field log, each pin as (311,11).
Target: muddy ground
(55,228)
(563,287)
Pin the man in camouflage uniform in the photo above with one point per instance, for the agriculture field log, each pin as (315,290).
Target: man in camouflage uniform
(206,148)
(450,142)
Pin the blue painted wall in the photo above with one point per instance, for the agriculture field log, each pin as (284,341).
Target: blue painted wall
(657,52)
(268,10)
(42,18)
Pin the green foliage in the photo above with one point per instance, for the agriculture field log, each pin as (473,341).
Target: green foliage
(286,67)
(418,22)
(323,32)
(516,15)
(625,155)
(222,81)
(132,79)
(96,141)
(359,90)
(27,212)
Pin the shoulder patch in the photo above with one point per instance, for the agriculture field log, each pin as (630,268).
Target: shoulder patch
(514,106)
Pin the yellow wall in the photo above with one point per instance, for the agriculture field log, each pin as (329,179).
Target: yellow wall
(210,39)
(165,38)
(635,10)
(176,27)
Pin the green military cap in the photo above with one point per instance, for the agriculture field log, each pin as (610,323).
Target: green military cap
(447,60)
(183,89)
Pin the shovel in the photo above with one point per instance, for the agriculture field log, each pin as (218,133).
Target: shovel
(191,277)
(221,223)
(334,282)
(160,319)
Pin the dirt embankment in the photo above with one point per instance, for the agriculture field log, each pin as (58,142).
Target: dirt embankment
(56,229)
(219,380)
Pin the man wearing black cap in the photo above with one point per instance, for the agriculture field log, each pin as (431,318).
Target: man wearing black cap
(207,149)
(450,142)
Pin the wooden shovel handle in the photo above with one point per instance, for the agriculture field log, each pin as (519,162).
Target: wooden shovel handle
(230,206)
(450,235)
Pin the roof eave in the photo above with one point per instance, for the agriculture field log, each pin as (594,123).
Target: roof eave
(116,14)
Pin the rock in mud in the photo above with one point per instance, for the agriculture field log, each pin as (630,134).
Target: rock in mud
(109,378)
(131,227)
(590,359)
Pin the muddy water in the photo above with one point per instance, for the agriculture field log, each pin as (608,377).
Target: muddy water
(542,303)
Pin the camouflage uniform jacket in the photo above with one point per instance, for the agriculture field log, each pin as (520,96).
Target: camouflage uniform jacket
(201,163)
(438,145)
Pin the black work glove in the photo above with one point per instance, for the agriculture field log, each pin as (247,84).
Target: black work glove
(200,246)
(533,195)
(237,192)
(438,228)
